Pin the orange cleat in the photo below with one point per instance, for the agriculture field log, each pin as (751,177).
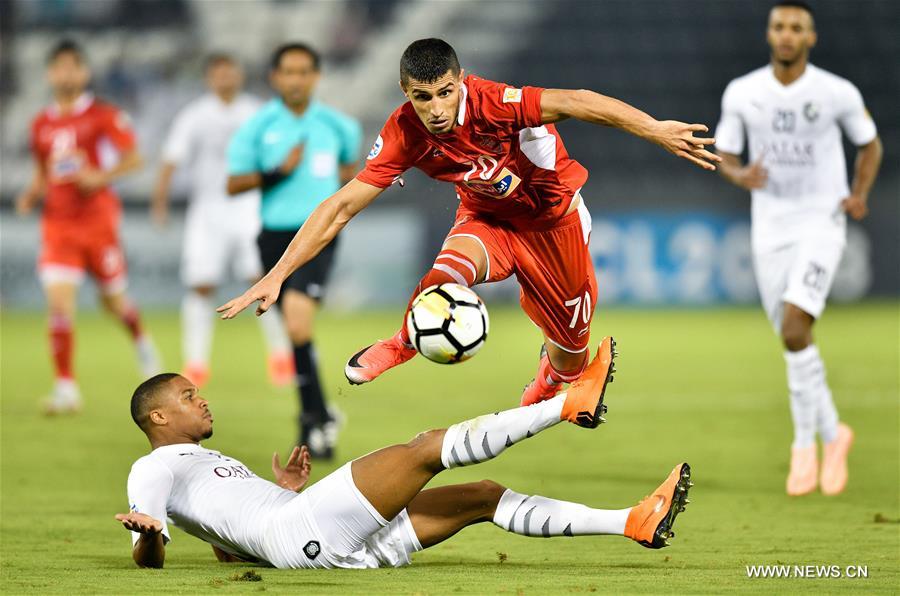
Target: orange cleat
(198,374)
(650,521)
(281,369)
(584,400)
(369,363)
(802,478)
(834,461)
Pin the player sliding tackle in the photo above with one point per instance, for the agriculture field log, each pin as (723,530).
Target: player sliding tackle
(520,212)
(371,512)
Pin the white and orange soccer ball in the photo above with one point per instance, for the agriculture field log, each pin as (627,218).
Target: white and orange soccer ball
(447,323)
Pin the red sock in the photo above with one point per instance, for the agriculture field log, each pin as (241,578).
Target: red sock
(449,267)
(548,374)
(62,340)
(131,318)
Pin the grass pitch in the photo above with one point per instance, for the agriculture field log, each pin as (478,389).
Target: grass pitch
(705,386)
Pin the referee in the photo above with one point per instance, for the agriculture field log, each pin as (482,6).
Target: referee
(298,151)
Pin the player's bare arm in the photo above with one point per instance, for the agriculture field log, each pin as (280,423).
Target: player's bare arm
(243,182)
(868,160)
(32,193)
(150,549)
(323,225)
(159,202)
(749,177)
(90,179)
(675,137)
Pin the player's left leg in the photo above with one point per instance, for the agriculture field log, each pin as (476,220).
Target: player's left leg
(809,281)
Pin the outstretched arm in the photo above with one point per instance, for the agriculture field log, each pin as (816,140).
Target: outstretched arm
(150,549)
(673,136)
(323,225)
(868,160)
(749,177)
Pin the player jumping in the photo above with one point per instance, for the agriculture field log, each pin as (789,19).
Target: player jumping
(80,219)
(520,212)
(373,511)
(793,114)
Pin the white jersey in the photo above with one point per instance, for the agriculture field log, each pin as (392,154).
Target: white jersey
(796,131)
(200,136)
(210,496)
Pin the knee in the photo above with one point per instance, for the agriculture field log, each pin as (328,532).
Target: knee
(487,495)
(795,335)
(425,448)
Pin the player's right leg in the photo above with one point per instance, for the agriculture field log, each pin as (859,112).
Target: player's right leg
(472,253)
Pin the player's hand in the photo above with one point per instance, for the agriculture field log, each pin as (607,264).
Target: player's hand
(265,291)
(295,473)
(292,160)
(25,203)
(140,522)
(91,179)
(856,206)
(752,176)
(678,139)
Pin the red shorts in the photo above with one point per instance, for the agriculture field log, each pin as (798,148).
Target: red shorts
(553,267)
(75,246)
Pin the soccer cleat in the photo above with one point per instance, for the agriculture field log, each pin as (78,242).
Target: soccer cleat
(584,400)
(367,364)
(540,388)
(650,522)
(148,357)
(802,478)
(196,373)
(66,399)
(281,369)
(834,461)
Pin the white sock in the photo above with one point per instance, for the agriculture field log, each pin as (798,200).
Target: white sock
(197,328)
(485,437)
(803,372)
(272,325)
(540,516)
(826,413)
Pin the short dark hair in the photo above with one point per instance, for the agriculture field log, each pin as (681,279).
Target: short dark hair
(795,4)
(294,46)
(144,398)
(217,58)
(65,46)
(427,60)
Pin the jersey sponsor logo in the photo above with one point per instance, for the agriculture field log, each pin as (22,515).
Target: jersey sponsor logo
(498,187)
(788,153)
(376,148)
(312,549)
(810,111)
(511,95)
(232,472)
(271,137)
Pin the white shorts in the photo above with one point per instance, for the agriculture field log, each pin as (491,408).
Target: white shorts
(218,236)
(800,273)
(332,525)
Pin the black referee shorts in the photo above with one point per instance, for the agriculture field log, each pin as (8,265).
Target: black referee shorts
(309,279)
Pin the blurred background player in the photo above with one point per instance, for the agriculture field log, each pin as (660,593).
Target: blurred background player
(74,142)
(219,229)
(298,151)
(793,114)
(521,210)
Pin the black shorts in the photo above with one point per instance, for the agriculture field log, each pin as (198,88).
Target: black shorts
(309,279)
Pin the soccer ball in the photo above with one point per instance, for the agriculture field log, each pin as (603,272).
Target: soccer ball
(447,323)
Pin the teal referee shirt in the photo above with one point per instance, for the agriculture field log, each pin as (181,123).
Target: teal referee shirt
(329,138)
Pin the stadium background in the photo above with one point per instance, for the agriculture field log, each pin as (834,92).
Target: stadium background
(663,232)
(703,383)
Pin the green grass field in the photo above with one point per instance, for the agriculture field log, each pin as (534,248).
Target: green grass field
(704,386)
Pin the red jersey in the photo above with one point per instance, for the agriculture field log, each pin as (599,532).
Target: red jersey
(506,165)
(65,143)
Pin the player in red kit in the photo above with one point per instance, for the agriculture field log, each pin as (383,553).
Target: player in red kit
(70,141)
(520,212)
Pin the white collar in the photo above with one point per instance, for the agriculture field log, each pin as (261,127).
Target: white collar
(461,117)
(80,105)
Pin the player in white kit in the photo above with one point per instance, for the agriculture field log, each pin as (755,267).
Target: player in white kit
(373,511)
(219,229)
(790,115)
